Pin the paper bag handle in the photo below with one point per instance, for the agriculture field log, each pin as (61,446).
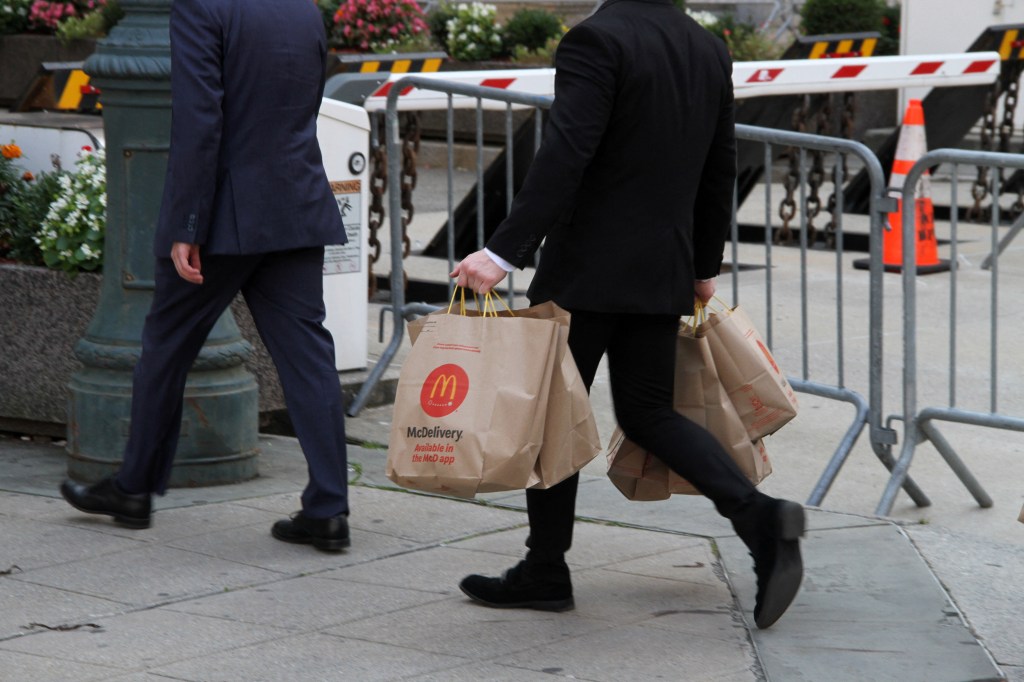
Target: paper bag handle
(699,317)
(488,309)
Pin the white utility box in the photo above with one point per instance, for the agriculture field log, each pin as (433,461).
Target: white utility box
(344,134)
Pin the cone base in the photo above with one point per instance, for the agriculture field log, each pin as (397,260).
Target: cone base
(941,266)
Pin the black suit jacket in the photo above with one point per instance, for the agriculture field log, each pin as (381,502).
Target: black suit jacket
(244,173)
(632,186)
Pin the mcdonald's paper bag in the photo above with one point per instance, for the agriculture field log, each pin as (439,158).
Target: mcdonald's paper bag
(757,387)
(471,404)
(570,438)
(642,477)
(700,397)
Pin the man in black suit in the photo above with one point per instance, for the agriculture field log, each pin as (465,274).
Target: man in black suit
(632,190)
(245,187)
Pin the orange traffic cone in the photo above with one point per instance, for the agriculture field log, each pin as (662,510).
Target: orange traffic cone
(911,146)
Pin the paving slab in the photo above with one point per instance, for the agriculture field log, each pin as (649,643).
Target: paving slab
(306,603)
(868,609)
(311,657)
(612,654)
(148,576)
(26,608)
(146,639)
(19,666)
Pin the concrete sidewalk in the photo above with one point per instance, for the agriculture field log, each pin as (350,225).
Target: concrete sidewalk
(663,591)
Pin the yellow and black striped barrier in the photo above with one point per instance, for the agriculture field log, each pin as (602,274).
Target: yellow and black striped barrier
(419,62)
(1007,40)
(60,86)
(834,46)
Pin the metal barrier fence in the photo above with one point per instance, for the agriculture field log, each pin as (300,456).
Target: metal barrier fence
(919,422)
(401,309)
(868,412)
(811,379)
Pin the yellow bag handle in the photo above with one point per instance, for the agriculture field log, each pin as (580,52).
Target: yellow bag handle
(699,317)
(488,309)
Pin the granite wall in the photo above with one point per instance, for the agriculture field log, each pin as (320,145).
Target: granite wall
(43,313)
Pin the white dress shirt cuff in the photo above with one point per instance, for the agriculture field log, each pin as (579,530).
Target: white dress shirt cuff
(501,262)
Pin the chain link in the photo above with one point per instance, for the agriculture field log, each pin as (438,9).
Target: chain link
(979,190)
(816,175)
(378,186)
(410,149)
(1006,133)
(846,120)
(787,207)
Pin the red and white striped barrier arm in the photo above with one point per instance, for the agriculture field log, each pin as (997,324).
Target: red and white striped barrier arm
(802,76)
(750,79)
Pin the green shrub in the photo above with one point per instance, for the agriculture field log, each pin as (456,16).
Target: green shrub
(71,235)
(744,41)
(542,57)
(14,16)
(889,43)
(474,33)
(821,17)
(532,29)
(94,24)
(437,22)
(30,209)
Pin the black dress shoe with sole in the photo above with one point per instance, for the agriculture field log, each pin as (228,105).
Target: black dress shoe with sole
(105,497)
(778,564)
(521,588)
(329,535)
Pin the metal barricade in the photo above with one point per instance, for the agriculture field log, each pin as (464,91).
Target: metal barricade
(867,411)
(919,422)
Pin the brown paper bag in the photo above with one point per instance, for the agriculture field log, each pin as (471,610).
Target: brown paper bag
(570,439)
(757,387)
(642,477)
(700,397)
(471,404)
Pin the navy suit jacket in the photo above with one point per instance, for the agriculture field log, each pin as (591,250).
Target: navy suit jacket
(244,173)
(632,186)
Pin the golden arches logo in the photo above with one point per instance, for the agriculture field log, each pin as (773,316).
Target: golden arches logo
(444,390)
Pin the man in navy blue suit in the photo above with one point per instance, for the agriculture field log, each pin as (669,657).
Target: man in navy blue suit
(246,207)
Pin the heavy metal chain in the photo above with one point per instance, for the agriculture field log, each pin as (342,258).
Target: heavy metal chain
(787,207)
(1006,132)
(979,190)
(849,111)
(410,148)
(816,175)
(378,186)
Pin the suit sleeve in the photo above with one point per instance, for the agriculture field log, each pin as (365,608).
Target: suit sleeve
(196,120)
(712,213)
(585,84)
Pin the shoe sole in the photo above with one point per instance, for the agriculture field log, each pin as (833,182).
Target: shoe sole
(556,605)
(323,544)
(784,583)
(127,521)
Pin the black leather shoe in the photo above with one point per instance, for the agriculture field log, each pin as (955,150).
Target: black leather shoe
(131,510)
(329,535)
(777,562)
(522,587)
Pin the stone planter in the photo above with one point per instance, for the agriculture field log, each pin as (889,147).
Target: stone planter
(22,55)
(44,314)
